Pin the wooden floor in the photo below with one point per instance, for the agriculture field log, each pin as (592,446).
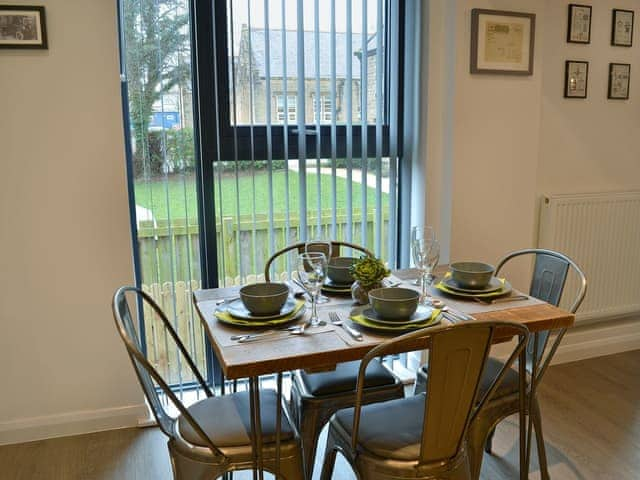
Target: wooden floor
(591,416)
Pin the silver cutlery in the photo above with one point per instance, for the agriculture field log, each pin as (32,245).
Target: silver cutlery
(513,298)
(250,337)
(335,320)
(226,300)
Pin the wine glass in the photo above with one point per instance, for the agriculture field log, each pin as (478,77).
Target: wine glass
(323,246)
(424,234)
(426,254)
(312,270)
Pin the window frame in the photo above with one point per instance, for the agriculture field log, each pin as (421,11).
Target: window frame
(249,142)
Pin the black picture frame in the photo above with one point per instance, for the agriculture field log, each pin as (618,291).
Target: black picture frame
(579,28)
(23,26)
(479,43)
(576,79)
(619,81)
(621,31)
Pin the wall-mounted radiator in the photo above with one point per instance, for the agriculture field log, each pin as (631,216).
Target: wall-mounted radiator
(601,232)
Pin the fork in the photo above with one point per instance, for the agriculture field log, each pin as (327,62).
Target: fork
(335,320)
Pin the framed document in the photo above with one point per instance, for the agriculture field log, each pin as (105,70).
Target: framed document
(502,42)
(579,28)
(619,75)
(22,26)
(622,28)
(576,75)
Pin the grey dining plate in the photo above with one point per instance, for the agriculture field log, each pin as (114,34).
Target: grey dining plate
(495,284)
(422,314)
(238,310)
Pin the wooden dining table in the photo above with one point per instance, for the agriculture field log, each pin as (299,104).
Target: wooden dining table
(323,347)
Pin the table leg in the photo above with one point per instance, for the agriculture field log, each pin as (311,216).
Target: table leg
(278,423)
(522,369)
(532,392)
(256,427)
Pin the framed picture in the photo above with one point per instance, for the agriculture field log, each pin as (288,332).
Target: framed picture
(502,42)
(22,26)
(622,28)
(579,28)
(619,76)
(576,75)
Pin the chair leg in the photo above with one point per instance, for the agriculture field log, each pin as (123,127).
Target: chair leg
(476,438)
(329,456)
(489,443)
(537,426)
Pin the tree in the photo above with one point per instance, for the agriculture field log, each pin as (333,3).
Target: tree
(157,59)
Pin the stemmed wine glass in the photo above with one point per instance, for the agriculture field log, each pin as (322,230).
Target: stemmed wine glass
(312,270)
(322,246)
(426,234)
(426,254)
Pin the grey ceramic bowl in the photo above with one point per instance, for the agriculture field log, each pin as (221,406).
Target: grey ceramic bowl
(394,303)
(471,274)
(264,298)
(338,271)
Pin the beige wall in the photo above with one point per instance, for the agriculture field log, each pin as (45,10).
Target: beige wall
(64,229)
(512,139)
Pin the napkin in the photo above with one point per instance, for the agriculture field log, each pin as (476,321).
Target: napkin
(226,317)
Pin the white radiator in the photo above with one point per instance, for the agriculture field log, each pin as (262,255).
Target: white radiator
(601,233)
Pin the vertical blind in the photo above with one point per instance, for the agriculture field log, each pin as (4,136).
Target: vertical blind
(306,94)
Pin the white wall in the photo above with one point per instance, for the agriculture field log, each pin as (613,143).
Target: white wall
(64,230)
(496,144)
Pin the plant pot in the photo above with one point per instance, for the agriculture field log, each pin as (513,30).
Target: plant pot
(360,293)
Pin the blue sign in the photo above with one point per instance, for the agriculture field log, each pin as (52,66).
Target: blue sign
(164,120)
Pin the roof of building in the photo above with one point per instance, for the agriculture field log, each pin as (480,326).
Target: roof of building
(291,38)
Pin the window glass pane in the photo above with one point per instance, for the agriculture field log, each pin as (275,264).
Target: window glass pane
(250,43)
(157,57)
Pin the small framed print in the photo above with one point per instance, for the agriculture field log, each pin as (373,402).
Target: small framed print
(619,76)
(576,76)
(22,26)
(622,28)
(579,28)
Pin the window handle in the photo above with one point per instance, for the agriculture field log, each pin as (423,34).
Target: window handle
(307,131)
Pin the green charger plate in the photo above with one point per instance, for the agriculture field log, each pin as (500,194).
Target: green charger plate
(504,290)
(358,318)
(225,317)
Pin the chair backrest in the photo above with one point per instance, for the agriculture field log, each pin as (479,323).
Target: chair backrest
(457,357)
(147,374)
(336,248)
(550,271)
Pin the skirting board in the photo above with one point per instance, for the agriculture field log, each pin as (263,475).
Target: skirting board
(72,423)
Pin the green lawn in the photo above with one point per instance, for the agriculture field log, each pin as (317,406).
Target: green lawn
(175,197)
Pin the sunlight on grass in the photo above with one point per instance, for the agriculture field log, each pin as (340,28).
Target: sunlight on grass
(175,196)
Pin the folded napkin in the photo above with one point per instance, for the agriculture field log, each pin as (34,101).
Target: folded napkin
(360,319)
(225,316)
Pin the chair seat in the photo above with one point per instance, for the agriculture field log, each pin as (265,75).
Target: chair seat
(344,378)
(227,421)
(508,386)
(390,429)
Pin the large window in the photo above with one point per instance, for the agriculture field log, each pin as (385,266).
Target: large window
(304,120)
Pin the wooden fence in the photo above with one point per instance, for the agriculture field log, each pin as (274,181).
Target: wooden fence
(170,252)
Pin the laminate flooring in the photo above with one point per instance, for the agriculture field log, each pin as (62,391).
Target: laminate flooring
(591,421)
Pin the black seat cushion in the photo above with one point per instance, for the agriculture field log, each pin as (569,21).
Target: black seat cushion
(508,386)
(227,421)
(344,378)
(391,429)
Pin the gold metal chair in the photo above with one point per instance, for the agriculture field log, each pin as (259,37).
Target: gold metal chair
(317,396)
(423,436)
(212,436)
(549,277)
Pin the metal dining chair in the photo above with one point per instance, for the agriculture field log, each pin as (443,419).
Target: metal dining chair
(550,273)
(317,396)
(212,436)
(423,436)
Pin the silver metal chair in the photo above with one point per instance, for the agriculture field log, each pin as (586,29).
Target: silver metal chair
(212,436)
(549,277)
(317,396)
(423,436)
